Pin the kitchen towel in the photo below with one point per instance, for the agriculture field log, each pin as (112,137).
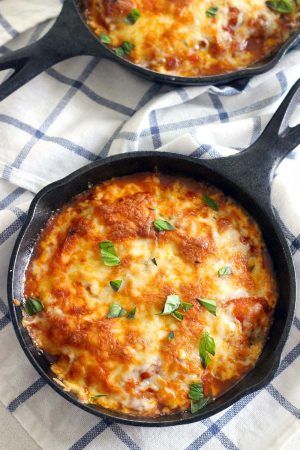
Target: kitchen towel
(83,109)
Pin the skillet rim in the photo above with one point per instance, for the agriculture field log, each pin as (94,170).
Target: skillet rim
(162,420)
(247,72)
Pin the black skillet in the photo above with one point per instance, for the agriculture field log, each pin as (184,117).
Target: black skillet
(246,177)
(70,36)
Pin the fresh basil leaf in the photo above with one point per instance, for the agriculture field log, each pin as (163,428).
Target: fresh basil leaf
(185,306)
(116,284)
(177,315)
(33,306)
(162,225)
(196,391)
(224,271)
(133,16)
(281,6)
(211,12)
(207,347)
(172,303)
(210,202)
(119,51)
(131,313)
(154,261)
(127,47)
(99,395)
(109,254)
(196,405)
(171,336)
(116,310)
(104,38)
(210,305)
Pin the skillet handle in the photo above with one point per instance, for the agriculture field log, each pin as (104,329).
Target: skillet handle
(68,37)
(253,169)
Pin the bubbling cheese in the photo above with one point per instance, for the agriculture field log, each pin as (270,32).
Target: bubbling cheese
(133,362)
(192,37)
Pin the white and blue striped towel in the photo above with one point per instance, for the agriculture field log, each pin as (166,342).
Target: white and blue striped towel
(84,109)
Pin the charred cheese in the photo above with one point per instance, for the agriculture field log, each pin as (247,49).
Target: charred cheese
(145,364)
(193,37)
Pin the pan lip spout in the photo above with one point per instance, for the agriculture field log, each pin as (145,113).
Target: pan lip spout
(265,368)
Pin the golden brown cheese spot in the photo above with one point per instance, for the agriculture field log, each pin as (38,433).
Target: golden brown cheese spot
(133,360)
(179,38)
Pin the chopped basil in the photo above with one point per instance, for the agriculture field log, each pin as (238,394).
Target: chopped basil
(198,401)
(224,271)
(210,305)
(133,16)
(207,347)
(212,11)
(185,306)
(281,6)
(172,303)
(99,395)
(162,225)
(131,313)
(171,335)
(210,202)
(177,315)
(116,310)
(109,254)
(154,261)
(104,38)
(33,306)
(196,391)
(124,49)
(199,404)
(115,284)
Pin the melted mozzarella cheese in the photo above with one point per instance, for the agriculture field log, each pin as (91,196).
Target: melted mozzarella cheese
(132,361)
(182,38)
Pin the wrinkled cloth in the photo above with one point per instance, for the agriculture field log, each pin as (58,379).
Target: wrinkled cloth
(83,109)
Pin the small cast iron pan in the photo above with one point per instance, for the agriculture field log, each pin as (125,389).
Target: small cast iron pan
(246,177)
(70,36)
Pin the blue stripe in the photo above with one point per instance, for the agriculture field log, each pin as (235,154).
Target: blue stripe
(283,401)
(223,115)
(154,129)
(237,407)
(65,143)
(120,433)
(25,395)
(256,129)
(7,27)
(149,94)
(297,323)
(51,118)
(10,198)
(4,321)
(295,245)
(225,441)
(12,228)
(91,94)
(90,436)
(3,307)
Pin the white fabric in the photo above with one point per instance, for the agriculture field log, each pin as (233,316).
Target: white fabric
(51,127)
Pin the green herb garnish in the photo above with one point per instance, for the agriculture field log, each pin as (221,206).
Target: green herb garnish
(131,313)
(99,395)
(124,49)
(224,271)
(162,225)
(210,202)
(198,401)
(172,303)
(171,336)
(33,306)
(116,310)
(133,16)
(109,254)
(104,38)
(154,261)
(210,305)
(207,348)
(281,6)
(185,306)
(211,12)
(177,315)
(116,284)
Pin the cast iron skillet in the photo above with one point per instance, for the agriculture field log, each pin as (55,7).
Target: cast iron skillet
(70,36)
(246,177)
